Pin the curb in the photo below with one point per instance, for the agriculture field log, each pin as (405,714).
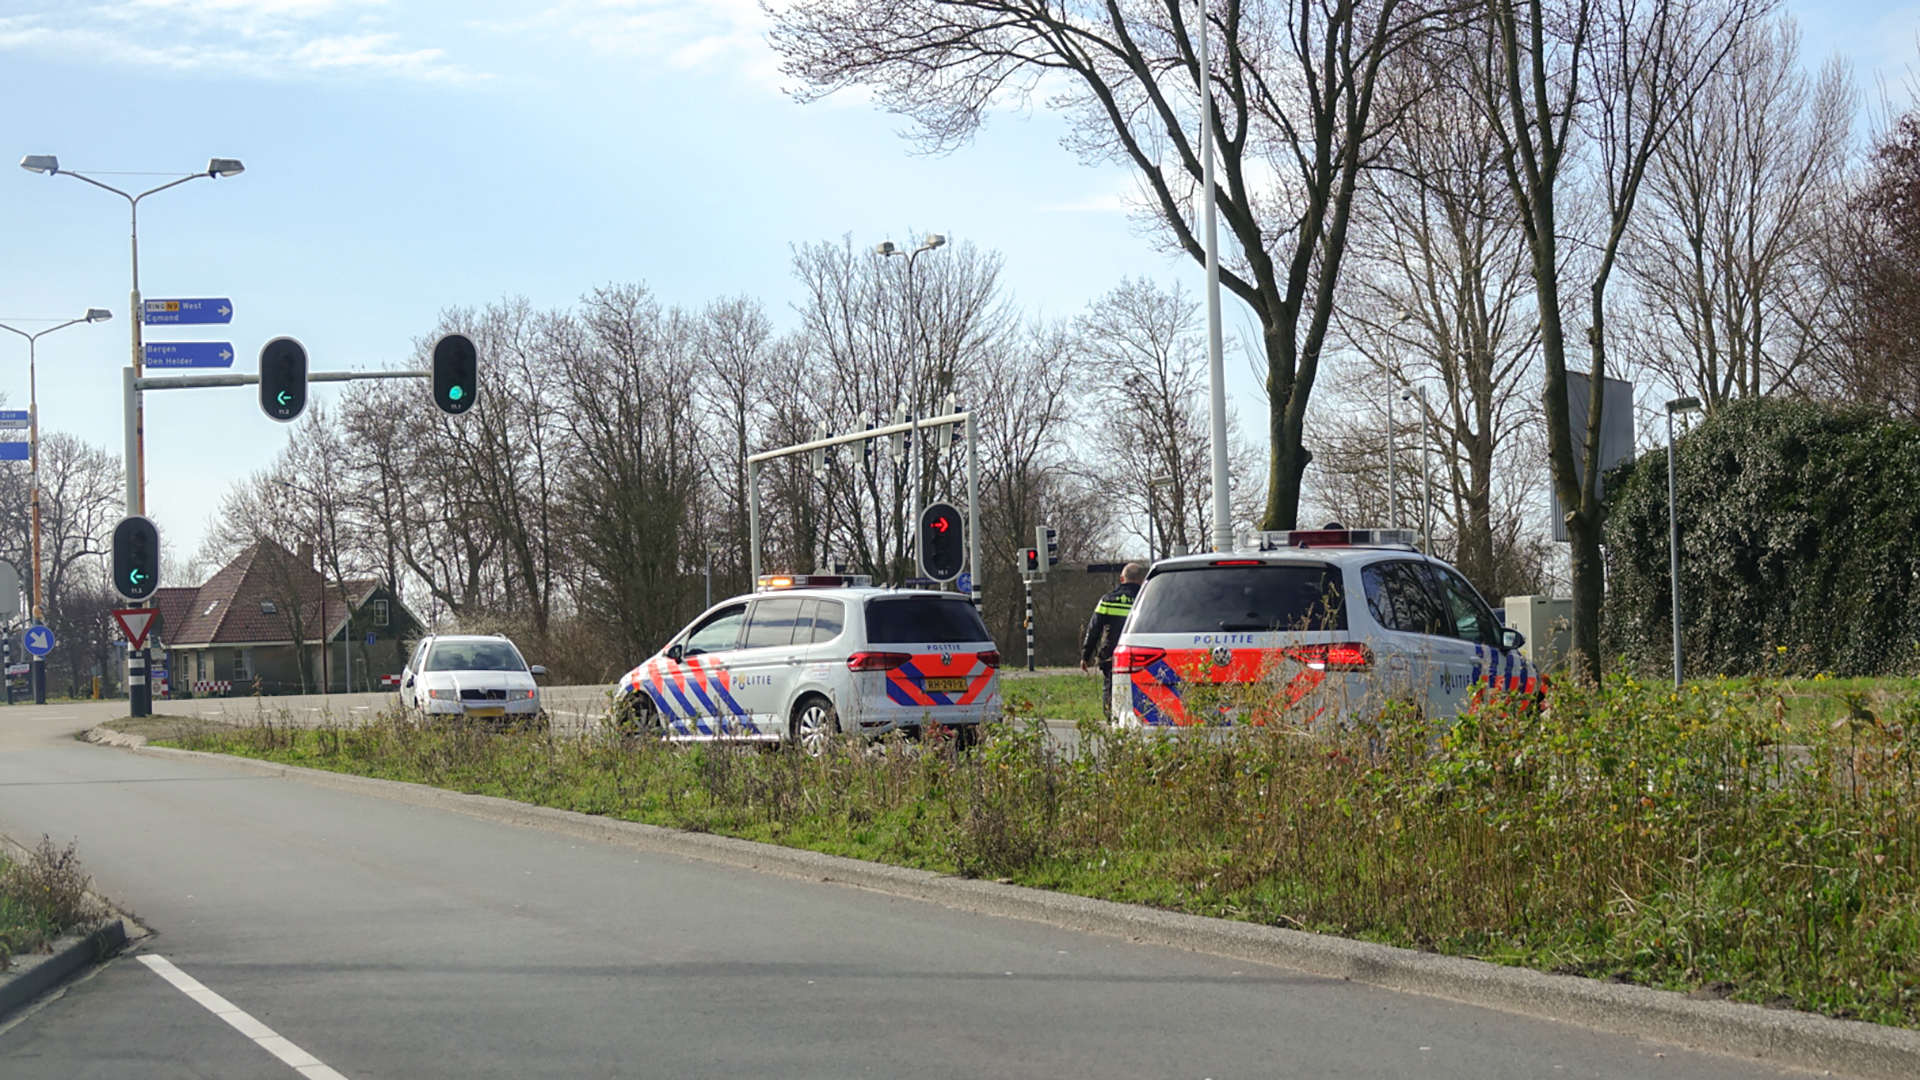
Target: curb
(1781,1037)
(39,974)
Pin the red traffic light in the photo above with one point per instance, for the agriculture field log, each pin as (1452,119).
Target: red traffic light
(942,547)
(940,524)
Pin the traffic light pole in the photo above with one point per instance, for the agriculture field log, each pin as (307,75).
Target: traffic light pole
(1029,584)
(910,427)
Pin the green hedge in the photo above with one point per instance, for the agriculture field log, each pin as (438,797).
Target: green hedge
(1800,544)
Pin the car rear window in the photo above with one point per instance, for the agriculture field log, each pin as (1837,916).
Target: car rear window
(1210,599)
(923,619)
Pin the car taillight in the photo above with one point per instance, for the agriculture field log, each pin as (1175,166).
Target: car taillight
(876,661)
(991,658)
(1339,656)
(1131,658)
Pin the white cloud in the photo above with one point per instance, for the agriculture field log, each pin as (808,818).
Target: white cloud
(244,38)
(704,35)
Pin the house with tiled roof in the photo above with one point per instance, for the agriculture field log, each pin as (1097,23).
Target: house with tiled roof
(269,623)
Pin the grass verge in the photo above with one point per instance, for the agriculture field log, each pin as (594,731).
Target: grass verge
(42,895)
(1710,840)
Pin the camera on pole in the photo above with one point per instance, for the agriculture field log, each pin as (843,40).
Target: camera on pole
(943,542)
(456,373)
(283,379)
(136,558)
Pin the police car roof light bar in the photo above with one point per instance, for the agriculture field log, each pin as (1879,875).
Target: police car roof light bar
(1305,538)
(780,582)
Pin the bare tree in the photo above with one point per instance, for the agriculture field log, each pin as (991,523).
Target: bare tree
(1873,260)
(1298,114)
(1727,259)
(1588,91)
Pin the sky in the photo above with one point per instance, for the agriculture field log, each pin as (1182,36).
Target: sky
(402,158)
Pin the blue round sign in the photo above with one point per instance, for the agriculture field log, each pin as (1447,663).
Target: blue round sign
(964,583)
(38,640)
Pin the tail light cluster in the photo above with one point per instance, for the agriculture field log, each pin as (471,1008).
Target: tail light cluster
(990,658)
(1128,659)
(877,661)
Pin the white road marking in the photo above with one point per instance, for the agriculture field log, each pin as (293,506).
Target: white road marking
(269,1040)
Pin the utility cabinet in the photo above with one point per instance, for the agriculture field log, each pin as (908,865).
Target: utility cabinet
(1547,624)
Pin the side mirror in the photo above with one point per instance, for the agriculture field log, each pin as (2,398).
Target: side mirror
(1511,639)
(675,652)
(537,671)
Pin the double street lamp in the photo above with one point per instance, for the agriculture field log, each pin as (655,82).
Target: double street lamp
(93,315)
(49,165)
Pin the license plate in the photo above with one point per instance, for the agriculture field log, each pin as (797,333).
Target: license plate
(494,710)
(946,686)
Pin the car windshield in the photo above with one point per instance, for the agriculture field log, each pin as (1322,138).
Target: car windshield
(474,656)
(923,620)
(1209,599)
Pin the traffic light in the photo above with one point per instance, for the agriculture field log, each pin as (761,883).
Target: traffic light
(283,380)
(1030,561)
(1048,541)
(136,558)
(943,542)
(456,373)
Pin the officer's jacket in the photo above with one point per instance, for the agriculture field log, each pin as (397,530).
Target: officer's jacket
(1103,630)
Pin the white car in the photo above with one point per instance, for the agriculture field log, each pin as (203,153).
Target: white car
(472,676)
(809,657)
(1319,624)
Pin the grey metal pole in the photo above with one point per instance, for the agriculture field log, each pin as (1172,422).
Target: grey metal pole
(1426,475)
(709,575)
(130,402)
(1673,549)
(1393,480)
(753,524)
(973,505)
(1216,364)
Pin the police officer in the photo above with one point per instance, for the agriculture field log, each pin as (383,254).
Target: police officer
(1103,630)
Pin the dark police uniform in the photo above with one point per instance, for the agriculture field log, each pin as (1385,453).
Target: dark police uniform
(1103,632)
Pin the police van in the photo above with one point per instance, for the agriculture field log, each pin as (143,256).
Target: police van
(808,657)
(1309,626)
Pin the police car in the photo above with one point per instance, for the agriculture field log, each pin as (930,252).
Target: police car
(1309,625)
(808,657)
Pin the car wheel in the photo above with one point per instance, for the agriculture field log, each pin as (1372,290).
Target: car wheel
(634,717)
(965,736)
(815,724)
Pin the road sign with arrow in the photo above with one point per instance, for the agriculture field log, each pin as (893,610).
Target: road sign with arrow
(189,354)
(38,640)
(191,312)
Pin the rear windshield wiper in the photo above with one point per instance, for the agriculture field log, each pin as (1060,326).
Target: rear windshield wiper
(1241,627)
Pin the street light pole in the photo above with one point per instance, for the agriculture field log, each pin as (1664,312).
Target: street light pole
(1216,364)
(49,165)
(915,474)
(1677,405)
(93,315)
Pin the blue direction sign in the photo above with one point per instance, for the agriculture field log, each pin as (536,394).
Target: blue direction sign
(38,640)
(197,312)
(194,354)
(15,419)
(15,451)
(964,583)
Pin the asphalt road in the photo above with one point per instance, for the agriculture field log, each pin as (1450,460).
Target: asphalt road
(358,937)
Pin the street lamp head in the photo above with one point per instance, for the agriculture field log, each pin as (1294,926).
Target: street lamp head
(933,240)
(1683,405)
(222,166)
(886,248)
(40,163)
(98,314)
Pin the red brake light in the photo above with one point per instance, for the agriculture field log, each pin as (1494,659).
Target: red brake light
(1131,658)
(876,661)
(991,658)
(1236,562)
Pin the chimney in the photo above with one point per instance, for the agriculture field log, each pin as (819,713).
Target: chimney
(305,554)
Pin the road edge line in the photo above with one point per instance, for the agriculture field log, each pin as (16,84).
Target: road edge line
(1777,1036)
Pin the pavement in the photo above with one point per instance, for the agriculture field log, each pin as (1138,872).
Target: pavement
(304,929)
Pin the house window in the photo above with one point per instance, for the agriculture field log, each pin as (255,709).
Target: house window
(267,607)
(242,665)
(379,613)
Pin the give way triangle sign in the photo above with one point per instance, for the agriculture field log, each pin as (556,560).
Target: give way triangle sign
(134,622)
